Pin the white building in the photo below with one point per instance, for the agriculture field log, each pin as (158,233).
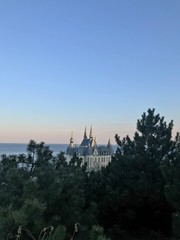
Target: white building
(95,156)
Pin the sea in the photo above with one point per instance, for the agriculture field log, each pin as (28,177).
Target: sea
(21,148)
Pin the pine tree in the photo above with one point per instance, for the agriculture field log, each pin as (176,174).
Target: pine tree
(134,203)
(171,171)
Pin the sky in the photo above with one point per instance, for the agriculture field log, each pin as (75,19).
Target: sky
(67,64)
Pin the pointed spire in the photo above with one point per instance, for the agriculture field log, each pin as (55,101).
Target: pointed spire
(90,134)
(95,144)
(85,134)
(71,140)
(109,146)
(95,141)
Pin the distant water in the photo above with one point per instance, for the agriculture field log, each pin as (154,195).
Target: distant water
(20,148)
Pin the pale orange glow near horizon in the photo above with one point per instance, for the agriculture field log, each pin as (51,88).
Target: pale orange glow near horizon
(62,136)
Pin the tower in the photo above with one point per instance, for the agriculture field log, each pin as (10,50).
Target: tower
(109,147)
(71,145)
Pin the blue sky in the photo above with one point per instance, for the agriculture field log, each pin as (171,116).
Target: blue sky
(70,64)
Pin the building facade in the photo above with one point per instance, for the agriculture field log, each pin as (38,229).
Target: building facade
(94,156)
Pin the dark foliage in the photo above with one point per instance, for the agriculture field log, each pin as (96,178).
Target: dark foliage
(135,197)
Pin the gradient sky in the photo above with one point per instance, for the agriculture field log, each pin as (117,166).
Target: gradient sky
(69,64)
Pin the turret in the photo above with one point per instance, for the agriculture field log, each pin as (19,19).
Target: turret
(71,141)
(110,148)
